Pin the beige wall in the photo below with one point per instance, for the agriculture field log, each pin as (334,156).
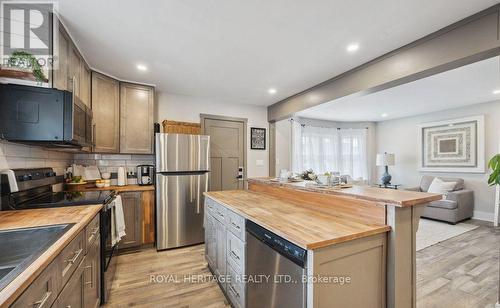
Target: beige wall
(188,109)
(283,145)
(400,137)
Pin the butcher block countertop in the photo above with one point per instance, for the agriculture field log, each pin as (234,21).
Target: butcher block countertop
(92,187)
(396,197)
(79,215)
(306,225)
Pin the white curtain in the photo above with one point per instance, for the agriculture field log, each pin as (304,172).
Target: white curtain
(353,153)
(296,164)
(324,149)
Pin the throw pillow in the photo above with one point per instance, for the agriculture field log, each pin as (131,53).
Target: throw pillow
(439,186)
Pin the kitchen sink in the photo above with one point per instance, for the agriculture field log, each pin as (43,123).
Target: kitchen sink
(20,247)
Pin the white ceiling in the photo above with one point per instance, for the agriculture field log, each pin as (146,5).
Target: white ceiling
(463,86)
(235,50)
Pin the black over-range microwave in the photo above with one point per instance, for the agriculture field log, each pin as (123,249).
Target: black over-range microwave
(46,116)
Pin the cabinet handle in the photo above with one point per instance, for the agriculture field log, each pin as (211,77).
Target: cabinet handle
(93,234)
(91,276)
(71,261)
(234,255)
(93,134)
(234,291)
(235,225)
(75,256)
(43,301)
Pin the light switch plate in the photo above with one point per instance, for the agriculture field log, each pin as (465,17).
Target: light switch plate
(259,163)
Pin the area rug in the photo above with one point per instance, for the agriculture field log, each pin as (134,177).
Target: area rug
(431,232)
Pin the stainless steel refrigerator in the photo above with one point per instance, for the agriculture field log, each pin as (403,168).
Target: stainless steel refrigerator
(182,174)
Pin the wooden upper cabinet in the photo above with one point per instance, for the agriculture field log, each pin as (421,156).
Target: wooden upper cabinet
(60,67)
(106,113)
(74,70)
(136,119)
(84,83)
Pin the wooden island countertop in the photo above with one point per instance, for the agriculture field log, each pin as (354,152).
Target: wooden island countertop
(79,215)
(401,198)
(307,225)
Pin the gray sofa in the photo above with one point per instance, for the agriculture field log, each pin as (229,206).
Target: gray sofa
(458,204)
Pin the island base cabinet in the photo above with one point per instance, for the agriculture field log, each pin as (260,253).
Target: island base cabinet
(356,271)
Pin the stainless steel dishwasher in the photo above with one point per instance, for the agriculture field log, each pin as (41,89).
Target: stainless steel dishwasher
(275,269)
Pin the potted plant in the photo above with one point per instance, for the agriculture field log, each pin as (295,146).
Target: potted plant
(494,179)
(23,65)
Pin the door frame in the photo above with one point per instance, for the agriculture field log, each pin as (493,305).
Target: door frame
(204,116)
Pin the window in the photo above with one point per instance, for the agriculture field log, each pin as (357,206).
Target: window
(325,149)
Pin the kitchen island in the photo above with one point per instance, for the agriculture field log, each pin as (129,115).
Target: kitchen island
(364,234)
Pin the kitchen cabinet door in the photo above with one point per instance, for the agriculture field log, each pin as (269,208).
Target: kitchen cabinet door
(106,113)
(72,294)
(132,210)
(210,243)
(92,274)
(74,70)
(220,238)
(60,66)
(84,83)
(136,119)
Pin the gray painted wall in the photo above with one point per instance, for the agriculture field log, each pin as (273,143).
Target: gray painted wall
(399,136)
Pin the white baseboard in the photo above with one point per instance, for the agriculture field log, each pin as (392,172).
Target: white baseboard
(486,216)
(497,305)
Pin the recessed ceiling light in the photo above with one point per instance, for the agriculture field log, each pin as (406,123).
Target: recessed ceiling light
(271,91)
(352,47)
(142,67)
(384,115)
(497,91)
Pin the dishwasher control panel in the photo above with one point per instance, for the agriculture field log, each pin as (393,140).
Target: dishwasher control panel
(289,250)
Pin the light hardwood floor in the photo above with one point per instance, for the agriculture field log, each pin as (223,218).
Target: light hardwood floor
(459,272)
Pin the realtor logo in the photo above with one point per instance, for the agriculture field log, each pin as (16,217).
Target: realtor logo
(26,26)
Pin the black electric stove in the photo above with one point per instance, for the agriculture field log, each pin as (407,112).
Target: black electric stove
(59,199)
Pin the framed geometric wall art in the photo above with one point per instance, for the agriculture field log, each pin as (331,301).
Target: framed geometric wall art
(257,138)
(455,145)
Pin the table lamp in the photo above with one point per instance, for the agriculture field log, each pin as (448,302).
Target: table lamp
(385,160)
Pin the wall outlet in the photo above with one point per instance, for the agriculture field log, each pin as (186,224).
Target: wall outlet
(259,163)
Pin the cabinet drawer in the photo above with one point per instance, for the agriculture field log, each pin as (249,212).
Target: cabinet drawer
(235,288)
(70,257)
(235,253)
(92,231)
(236,224)
(220,213)
(43,290)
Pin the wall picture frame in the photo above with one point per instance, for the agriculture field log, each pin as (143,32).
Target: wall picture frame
(454,145)
(257,138)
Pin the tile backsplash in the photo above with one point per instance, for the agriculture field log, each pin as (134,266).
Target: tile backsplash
(15,156)
(111,162)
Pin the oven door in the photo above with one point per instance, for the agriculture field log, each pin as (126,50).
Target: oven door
(108,253)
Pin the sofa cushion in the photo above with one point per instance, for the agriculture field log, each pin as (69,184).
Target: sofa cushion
(427,180)
(444,204)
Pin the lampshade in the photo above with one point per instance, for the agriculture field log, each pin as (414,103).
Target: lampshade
(385,159)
